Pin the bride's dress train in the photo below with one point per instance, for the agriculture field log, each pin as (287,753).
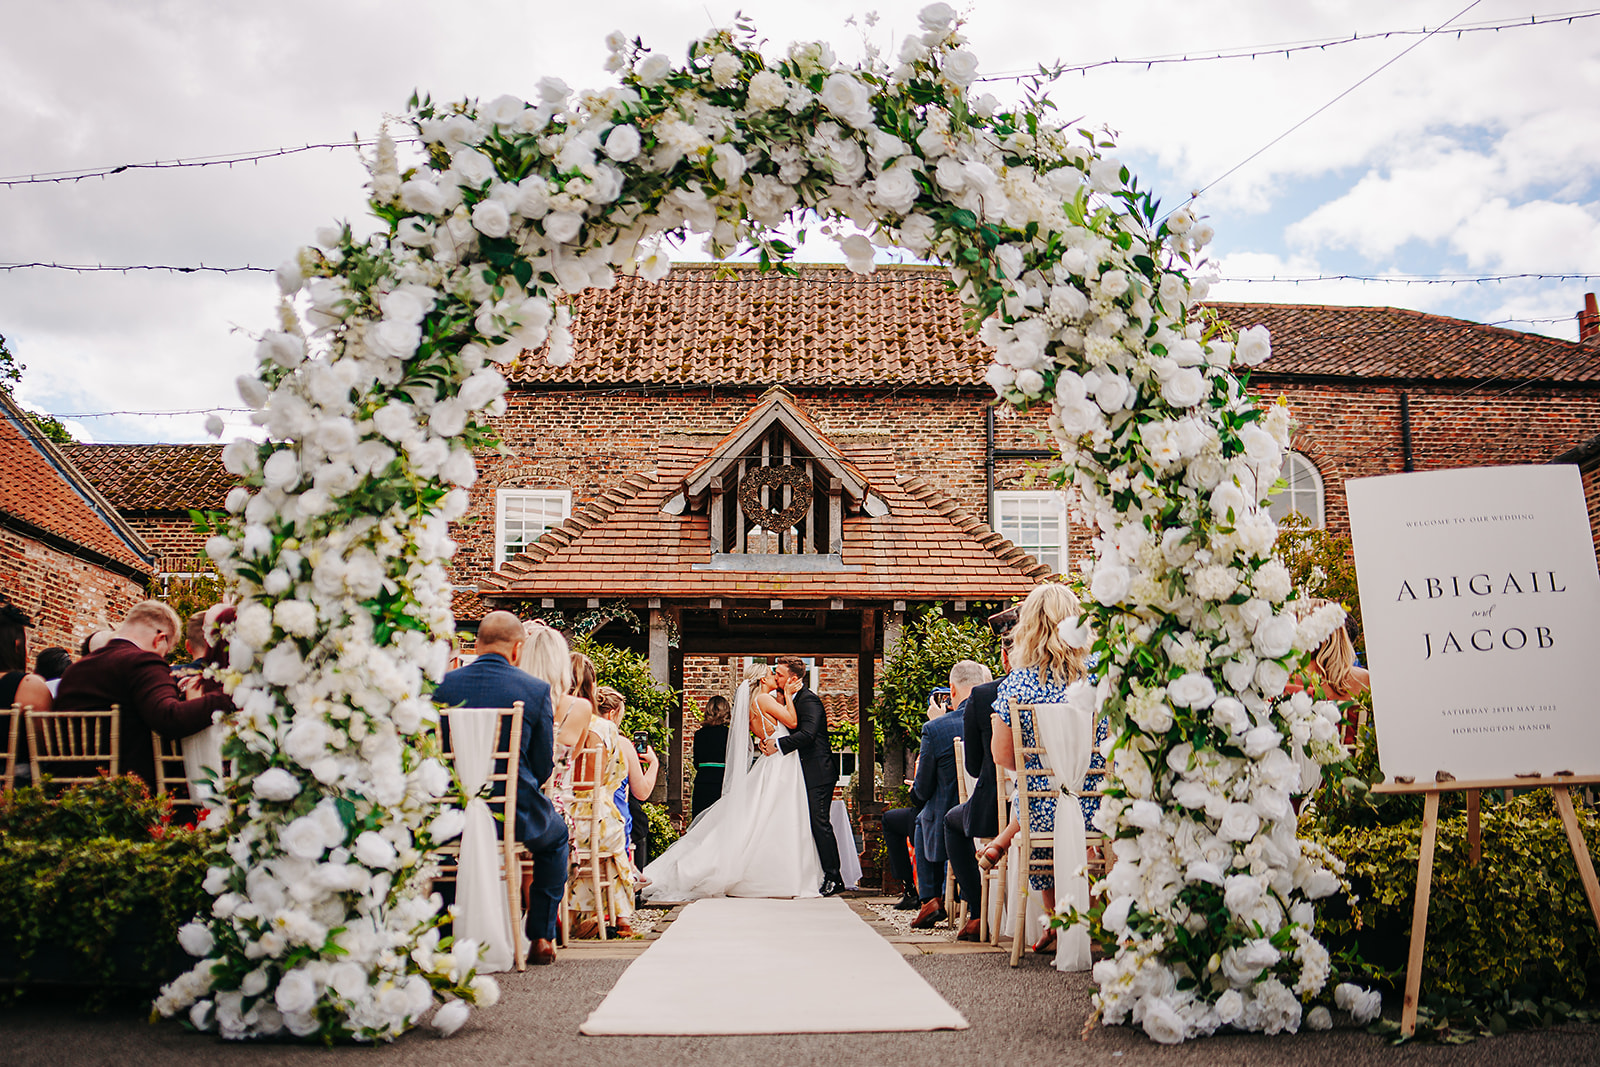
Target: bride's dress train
(754,842)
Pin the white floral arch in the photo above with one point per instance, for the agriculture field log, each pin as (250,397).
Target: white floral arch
(379,383)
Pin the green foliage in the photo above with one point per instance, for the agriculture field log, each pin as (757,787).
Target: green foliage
(187,595)
(1322,565)
(929,646)
(844,735)
(1457,1020)
(1517,921)
(94,884)
(11,375)
(662,832)
(647,701)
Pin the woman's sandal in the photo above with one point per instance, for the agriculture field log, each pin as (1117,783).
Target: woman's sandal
(1046,942)
(990,856)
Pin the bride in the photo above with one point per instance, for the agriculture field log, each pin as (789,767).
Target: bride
(756,840)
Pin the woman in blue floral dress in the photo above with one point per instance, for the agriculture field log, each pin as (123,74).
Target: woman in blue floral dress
(1043,667)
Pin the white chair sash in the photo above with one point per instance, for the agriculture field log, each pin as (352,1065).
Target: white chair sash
(849,860)
(202,751)
(1066,734)
(482,912)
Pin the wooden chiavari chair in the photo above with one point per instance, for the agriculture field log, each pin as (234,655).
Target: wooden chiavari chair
(73,742)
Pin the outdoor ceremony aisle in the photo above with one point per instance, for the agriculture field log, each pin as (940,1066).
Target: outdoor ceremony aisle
(735,966)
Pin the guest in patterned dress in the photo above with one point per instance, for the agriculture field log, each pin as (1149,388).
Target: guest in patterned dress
(604,764)
(1043,666)
(545,655)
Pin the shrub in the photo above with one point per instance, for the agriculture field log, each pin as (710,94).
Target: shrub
(97,880)
(1517,919)
(648,702)
(662,833)
(921,662)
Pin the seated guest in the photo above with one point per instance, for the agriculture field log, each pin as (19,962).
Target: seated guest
(131,671)
(17,687)
(1332,673)
(94,641)
(492,680)
(933,794)
(610,761)
(1044,666)
(50,665)
(195,643)
(545,655)
(710,750)
(979,816)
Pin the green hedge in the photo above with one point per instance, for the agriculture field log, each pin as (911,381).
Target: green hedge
(94,885)
(646,702)
(1518,919)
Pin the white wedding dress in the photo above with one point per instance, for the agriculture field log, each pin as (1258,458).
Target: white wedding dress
(753,842)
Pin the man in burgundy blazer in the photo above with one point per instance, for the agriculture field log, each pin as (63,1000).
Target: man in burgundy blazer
(130,671)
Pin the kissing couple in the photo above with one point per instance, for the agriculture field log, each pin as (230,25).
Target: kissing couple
(769,834)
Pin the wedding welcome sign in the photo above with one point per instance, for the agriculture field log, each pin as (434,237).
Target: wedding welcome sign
(1480,599)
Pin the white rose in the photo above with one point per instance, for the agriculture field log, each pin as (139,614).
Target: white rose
(1204,871)
(1254,346)
(490,218)
(936,18)
(423,197)
(297,992)
(1105,175)
(195,939)
(767,91)
(1110,584)
(847,99)
(1271,677)
(1230,1006)
(1162,1023)
(1112,392)
(1113,283)
(1239,823)
(896,190)
(1075,631)
(562,226)
(447,825)
(304,838)
(1275,636)
(1184,389)
(281,470)
(1192,690)
(283,665)
(277,784)
(622,143)
(1229,713)
(393,339)
(375,851)
(1030,383)
(654,69)
(961,67)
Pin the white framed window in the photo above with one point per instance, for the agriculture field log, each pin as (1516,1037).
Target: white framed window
(1304,494)
(1036,522)
(522,515)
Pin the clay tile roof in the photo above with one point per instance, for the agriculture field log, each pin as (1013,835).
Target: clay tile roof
(43,492)
(926,548)
(155,477)
(1385,342)
(707,324)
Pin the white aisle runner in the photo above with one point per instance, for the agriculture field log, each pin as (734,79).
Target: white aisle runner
(740,966)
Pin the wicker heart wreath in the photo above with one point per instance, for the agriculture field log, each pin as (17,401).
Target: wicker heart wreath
(379,383)
(757,478)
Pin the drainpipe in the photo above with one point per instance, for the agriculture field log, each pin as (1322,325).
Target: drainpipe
(988,464)
(1405,433)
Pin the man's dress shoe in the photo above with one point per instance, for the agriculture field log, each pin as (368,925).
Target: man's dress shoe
(543,953)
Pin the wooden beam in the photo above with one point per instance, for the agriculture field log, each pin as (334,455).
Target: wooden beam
(1419,914)
(658,646)
(675,724)
(1487,783)
(866,758)
(758,643)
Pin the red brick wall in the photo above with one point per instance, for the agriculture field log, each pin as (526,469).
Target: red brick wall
(1355,431)
(173,538)
(1591,493)
(66,597)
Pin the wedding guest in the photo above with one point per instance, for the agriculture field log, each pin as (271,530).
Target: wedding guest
(492,680)
(130,670)
(933,793)
(1331,672)
(545,655)
(710,749)
(17,686)
(979,816)
(597,819)
(50,665)
(1044,667)
(94,641)
(194,642)
(641,783)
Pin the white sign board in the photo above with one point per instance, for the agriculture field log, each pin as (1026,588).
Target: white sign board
(1481,604)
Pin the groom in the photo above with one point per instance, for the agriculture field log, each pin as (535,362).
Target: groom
(810,739)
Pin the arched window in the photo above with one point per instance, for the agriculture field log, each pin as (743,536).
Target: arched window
(1304,494)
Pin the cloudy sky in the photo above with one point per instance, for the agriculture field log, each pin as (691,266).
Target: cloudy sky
(1472,154)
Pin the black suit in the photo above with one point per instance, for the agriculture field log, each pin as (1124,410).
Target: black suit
(978,817)
(810,739)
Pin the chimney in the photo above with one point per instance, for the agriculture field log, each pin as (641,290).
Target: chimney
(1589,322)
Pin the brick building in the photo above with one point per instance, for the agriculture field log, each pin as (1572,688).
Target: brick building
(154,488)
(884,372)
(67,558)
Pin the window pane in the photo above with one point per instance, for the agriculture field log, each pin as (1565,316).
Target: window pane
(526,516)
(1304,494)
(1033,522)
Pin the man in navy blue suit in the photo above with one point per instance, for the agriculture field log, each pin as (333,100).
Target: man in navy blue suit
(493,680)
(933,793)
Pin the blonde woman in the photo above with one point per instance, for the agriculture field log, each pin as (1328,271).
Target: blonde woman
(1332,670)
(605,764)
(545,655)
(756,840)
(1043,666)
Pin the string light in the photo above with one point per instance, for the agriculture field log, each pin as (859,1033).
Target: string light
(62,177)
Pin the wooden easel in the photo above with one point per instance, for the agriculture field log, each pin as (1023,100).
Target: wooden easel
(1559,786)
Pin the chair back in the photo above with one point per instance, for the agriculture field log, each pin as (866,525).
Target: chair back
(65,744)
(171,778)
(10,730)
(963,787)
(1034,786)
(504,764)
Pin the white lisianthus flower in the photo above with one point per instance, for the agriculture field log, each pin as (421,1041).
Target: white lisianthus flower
(1364,1005)
(276,784)
(450,1018)
(654,69)
(1105,175)
(195,939)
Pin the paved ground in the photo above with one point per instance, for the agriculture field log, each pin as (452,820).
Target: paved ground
(1031,1015)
